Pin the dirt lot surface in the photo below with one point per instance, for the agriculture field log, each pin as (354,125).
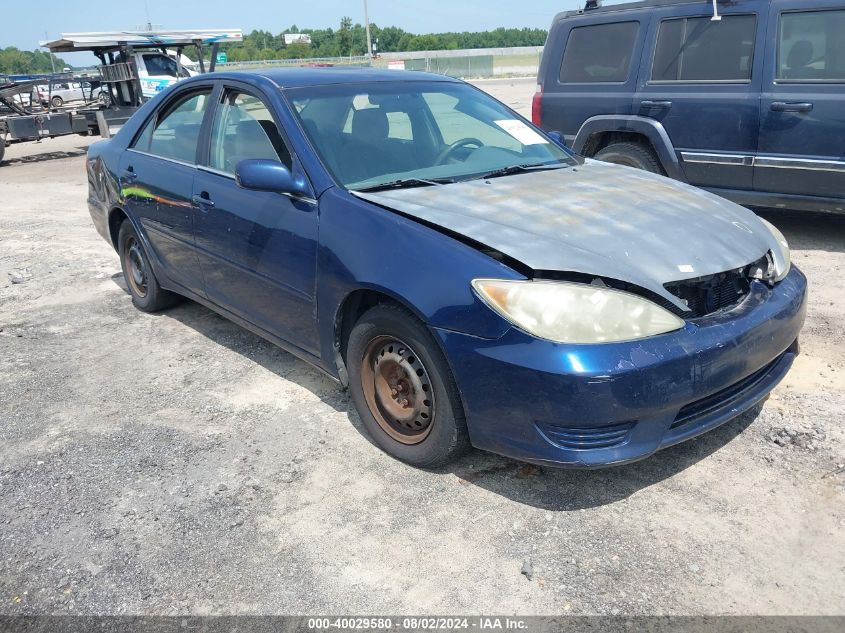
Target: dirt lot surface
(176,463)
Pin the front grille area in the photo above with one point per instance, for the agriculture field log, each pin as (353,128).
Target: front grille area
(585,438)
(700,408)
(713,293)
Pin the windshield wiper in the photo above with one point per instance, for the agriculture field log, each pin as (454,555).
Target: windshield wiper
(515,169)
(404,183)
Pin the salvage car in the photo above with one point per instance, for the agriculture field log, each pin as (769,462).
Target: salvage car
(468,278)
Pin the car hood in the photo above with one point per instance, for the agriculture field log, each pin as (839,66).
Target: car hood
(596,219)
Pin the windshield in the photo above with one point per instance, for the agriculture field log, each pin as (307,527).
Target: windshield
(370,135)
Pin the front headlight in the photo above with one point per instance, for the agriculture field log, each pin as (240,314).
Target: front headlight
(575,313)
(782,258)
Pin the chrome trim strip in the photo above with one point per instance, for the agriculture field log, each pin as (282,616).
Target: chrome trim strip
(771,162)
(810,164)
(166,158)
(216,172)
(717,159)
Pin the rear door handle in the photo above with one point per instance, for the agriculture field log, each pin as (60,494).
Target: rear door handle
(203,202)
(129,175)
(783,106)
(657,105)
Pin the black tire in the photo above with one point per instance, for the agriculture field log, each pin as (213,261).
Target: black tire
(631,155)
(2,149)
(57,102)
(444,437)
(147,295)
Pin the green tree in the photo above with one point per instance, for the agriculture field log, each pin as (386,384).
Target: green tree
(17,62)
(344,36)
(350,39)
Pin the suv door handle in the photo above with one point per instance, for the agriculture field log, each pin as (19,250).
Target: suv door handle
(129,175)
(783,106)
(661,105)
(203,201)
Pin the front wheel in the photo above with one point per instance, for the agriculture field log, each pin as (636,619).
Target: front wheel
(147,294)
(57,102)
(403,388)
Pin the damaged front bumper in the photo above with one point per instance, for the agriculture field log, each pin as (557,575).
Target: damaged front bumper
(586,406)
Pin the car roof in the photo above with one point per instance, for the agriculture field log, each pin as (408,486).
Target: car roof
(303,77)
(649,4)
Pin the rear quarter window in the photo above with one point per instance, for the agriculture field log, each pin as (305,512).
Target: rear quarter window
(599,53)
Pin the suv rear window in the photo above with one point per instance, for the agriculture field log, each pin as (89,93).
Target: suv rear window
(699,49)
(599,53)
(811,46)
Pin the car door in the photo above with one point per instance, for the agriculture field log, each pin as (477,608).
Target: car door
(156,178)
(702,83)
(802,132)
(258,250)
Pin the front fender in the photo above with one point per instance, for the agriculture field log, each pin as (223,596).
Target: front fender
(651,129)
(367,247)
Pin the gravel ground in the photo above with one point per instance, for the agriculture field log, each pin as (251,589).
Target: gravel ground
(177,464)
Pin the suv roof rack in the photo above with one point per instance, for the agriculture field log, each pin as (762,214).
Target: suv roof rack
(593,5)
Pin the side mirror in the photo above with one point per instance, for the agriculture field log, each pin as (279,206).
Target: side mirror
(269,175)
(557,137)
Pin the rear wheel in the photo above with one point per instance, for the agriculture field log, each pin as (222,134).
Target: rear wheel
(631,155)
(57,102)
(147,294)
(403,388)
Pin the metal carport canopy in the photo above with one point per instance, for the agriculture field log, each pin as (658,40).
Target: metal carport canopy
(73,42)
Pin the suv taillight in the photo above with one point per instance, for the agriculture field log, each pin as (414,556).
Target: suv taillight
(537,106)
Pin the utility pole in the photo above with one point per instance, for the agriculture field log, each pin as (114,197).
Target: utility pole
(50,53)
(367,25)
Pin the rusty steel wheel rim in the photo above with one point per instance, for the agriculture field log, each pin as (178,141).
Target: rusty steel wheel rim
(136,267)
(397,389)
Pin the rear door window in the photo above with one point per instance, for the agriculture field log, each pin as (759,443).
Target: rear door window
(700,49)
(599,53)
(811,46)
(175,132)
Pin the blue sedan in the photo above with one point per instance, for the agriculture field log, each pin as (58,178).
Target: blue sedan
(469,279)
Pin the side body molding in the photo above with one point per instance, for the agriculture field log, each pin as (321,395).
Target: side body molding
(651,129)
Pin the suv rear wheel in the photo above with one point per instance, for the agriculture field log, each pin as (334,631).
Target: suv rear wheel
(631,155)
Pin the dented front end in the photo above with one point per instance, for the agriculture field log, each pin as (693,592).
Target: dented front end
(598,405)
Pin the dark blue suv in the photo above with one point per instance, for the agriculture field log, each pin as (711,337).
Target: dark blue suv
(745,98)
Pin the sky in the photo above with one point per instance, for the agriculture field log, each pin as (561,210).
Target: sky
(25,23)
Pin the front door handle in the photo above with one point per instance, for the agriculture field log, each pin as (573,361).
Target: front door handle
(656,105)
(203,201)
(783,106)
